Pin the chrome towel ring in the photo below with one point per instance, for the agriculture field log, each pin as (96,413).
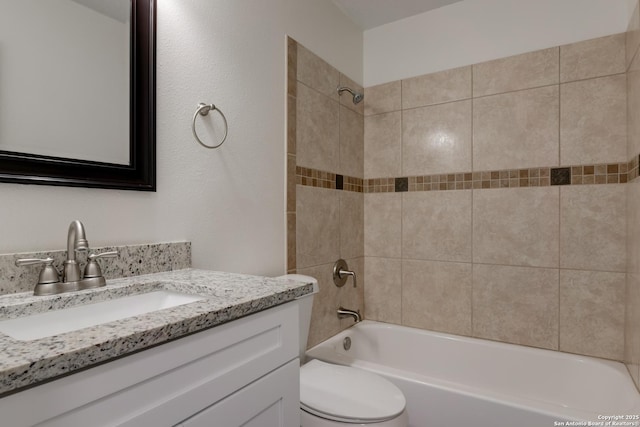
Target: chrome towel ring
(203,110)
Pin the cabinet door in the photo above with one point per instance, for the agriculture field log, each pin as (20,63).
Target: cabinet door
(271,401)
(163,385)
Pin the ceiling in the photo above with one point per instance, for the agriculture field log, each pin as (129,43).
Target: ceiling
(368,14)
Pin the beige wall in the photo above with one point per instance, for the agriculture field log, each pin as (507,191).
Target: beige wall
(632,321)
(495,199)
(324,148)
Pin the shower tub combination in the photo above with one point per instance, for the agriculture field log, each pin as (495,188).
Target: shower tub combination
(450,380)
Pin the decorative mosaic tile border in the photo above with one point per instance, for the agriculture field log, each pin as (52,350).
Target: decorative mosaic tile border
(614,173)
(317,178)
(606,173)
(134,260)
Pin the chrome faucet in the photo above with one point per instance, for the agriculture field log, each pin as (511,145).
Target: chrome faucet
(345,312)
(76,241)
(49,282)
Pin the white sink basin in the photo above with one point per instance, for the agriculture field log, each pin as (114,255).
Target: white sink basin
(71,319)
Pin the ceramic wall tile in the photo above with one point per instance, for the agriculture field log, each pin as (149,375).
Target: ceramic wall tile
(516,226)
(383,98)
(351,225)
(525,71)
(291,242)
(383,296)
(437,225)
(632,190)
(291,183)
(292,67)
(317,225)
(518,305)
(437,296)
(437,139)
(593,116)
(383,145)
(316,73)
(632,291)
(632,326)
(592,313)
(633,35)
(291,124)
(317,130)
(351,143)
(633,108)
(383,225)
(437,88)
(593,58)
(516,130)
(593,227)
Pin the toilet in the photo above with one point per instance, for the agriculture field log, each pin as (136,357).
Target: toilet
(342,396)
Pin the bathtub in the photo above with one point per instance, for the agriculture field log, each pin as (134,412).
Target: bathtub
(450,380)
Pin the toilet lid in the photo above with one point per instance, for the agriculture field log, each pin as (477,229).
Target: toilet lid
(342,393)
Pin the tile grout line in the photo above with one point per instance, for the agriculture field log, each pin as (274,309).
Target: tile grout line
(559,258)
(402,316)
(292,48)
(472,329)
(472,97)
(559,190)
(339,128)
(559,108)
(432,260)
(340,169)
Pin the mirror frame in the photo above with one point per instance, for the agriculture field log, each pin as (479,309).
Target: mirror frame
(140,174)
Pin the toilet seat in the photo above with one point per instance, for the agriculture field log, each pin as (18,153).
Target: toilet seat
(345,394)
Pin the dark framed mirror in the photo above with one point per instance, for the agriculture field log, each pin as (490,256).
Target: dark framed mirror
(137,172)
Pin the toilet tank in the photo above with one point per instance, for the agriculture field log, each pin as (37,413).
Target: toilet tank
(305,304)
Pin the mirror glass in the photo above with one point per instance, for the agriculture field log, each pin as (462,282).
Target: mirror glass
(64,78)
(77,93)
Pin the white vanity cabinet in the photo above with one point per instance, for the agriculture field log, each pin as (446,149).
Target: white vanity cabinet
(245,372)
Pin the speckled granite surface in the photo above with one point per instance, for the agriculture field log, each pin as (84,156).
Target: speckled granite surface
(227,297)
(133,260)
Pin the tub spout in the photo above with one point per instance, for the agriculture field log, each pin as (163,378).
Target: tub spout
(345,312)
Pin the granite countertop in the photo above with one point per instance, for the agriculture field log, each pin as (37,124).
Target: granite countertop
(227,297)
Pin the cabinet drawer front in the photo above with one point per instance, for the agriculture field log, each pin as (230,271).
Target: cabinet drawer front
(272,401)
(172,381)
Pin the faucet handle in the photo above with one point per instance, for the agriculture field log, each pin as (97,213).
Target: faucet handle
(92,269)
(340,273)
(48,274)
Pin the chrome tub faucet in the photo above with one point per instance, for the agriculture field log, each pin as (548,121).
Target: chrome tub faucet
(345,312)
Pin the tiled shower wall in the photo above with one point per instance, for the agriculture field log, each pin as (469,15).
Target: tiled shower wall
(325,157)
(632,324)
(495,199)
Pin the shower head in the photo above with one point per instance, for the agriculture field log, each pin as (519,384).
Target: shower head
(357,96)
